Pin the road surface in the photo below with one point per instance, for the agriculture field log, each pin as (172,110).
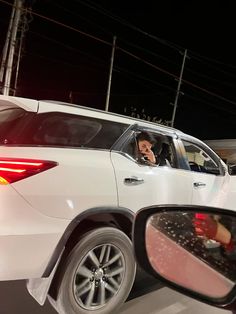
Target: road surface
(15,299)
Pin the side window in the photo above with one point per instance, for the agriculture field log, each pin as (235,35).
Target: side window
(67,130)
(9,121)
(150,148)
(199,160)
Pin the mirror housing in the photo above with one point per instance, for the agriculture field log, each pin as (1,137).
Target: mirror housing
(232,169)
(168,246)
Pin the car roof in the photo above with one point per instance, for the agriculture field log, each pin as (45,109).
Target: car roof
(24,103)
(53,105)
(113,116)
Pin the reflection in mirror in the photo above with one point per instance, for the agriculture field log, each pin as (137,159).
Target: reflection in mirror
(195,250)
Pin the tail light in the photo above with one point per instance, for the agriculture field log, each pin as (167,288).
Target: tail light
(15,169)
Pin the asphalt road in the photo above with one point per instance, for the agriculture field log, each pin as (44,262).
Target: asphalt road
(14,299)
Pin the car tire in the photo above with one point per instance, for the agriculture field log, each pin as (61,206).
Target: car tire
(98,275)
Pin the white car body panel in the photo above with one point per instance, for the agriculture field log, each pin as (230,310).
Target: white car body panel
(24,103)
(229,193)
(37,210)
(211,189)
(65,190)
(161,185)
(27,238)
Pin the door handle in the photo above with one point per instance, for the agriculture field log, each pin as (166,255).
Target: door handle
(198,184)
(133,181)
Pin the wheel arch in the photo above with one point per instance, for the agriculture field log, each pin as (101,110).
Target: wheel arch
(121,218)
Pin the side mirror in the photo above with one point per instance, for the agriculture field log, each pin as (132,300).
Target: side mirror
(192,249)
(232,170)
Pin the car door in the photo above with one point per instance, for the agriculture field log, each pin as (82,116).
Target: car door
(140,184)
(209,180)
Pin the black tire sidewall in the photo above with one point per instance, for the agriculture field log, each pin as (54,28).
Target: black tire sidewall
(66,302)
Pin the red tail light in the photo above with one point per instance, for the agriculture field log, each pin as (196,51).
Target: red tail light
(15,169)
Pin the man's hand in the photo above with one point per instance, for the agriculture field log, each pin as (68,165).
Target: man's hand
(150,156)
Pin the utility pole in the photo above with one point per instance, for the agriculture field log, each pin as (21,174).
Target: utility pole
(6,46)
(12,47)
(22,33)
(110,73)
(12,51)
(178,88)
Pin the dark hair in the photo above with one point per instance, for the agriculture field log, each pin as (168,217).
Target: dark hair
(146,136)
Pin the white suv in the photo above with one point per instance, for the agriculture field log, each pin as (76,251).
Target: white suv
(71,181)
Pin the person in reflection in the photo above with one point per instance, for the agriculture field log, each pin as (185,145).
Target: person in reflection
(146,142)
(213,228)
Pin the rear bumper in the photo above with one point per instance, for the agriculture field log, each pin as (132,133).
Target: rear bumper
(25,256)
(27,238)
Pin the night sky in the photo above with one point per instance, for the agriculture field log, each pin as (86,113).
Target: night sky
(62,64)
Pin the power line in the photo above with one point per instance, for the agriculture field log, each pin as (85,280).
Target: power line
(76,50)
(146,50)
(54,60)
(105,12)
(131,26)
(108,43)
(213,60)
(110,33)
(164,42)
(212,66)
(102,62)
(209,78)
(128,53)
(145,78)
(116,69)
(201,101)
(176,77)
(89,21)
(62,24)
(177,47)
(209,92)
(136,46)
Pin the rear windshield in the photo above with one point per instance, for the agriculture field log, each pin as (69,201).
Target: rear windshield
(10,121)
(67,130)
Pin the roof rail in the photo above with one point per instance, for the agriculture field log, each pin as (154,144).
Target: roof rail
(110,113)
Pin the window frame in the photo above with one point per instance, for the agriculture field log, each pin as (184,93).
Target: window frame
(136,128)
(206,149)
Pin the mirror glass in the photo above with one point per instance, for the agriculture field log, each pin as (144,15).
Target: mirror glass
(196,250)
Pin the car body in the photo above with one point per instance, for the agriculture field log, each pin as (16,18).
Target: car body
(67,170)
